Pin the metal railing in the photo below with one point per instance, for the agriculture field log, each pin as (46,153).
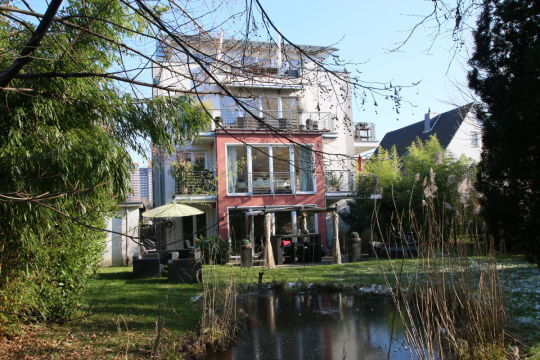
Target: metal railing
(364,131)
(282,120)
(264,182)
(197,183)
(340,180)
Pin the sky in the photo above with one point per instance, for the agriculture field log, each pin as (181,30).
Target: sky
(363,31)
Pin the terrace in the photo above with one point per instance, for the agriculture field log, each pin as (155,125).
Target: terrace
(279,120)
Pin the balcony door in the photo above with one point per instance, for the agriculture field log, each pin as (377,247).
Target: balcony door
(262,169)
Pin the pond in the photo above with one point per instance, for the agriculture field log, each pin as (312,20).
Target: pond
(318,326)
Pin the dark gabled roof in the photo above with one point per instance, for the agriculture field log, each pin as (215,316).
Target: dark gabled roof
(444,126)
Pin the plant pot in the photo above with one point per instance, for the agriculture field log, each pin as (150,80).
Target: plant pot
(356,250)
(246,258)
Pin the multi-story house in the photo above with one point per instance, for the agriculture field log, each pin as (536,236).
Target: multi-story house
(284,140)
(141,184)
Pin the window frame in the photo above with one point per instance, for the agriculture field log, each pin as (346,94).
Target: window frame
(292,169)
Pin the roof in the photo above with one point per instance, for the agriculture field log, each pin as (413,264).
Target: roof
(310,49)
(444,126)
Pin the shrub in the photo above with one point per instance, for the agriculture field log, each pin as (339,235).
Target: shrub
(215,250)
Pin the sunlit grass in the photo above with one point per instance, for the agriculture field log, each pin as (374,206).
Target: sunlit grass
(122,311)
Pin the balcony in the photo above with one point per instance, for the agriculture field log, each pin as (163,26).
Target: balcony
(339,181)
(364,131)
(197,186)
(364,137)
(279,120)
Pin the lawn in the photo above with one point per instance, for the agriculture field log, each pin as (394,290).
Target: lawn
(119,315)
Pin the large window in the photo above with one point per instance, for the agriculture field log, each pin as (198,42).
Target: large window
(303,159)
(269,169)
(237,174)
(260,169)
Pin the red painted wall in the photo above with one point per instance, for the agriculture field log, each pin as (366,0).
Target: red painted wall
(224,201)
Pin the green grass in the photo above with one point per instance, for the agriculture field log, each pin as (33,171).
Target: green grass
(365,273)
(123,311)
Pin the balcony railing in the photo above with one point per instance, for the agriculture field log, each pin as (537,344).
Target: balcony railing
(265,182)
(284,120)
(364,131)
(197,183)
(340,180)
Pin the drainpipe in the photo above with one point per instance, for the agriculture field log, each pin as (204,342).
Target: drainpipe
(126,257)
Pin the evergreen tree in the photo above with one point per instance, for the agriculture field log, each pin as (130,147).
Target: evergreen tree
(505,74)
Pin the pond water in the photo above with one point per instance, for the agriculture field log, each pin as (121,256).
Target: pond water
(326,326)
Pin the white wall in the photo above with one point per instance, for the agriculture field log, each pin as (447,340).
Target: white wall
(461,142)
(119,249)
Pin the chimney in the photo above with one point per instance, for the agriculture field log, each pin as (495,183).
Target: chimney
(427,121)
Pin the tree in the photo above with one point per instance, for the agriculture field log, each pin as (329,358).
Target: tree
(505,74)
(426,175)
(63,159)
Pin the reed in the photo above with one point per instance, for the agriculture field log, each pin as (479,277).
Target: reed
(451,303)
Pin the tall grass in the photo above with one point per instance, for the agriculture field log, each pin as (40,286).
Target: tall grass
(451,303)
(220,320)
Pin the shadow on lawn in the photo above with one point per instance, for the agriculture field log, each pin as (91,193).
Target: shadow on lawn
(116,298)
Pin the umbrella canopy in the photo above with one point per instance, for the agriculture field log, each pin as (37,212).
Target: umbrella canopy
(172,210)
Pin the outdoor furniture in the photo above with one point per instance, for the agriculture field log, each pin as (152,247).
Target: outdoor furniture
(144,268)
(185,271)
(306,250)
(190,253)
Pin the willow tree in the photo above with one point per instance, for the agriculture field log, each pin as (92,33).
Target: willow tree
(63,159)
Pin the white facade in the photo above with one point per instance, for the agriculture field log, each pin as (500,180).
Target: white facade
(468,138)
(119,248)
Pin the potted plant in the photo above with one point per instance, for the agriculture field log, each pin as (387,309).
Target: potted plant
(182,171)
(246,259)
(355,247)
(334,181)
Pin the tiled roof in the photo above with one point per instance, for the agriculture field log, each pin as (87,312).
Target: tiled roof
(444,126)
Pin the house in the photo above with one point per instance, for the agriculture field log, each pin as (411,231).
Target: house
(458,131)
(290,144)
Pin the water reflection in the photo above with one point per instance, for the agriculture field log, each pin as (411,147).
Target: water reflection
(317,326)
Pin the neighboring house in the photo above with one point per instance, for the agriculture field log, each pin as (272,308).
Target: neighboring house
(141,184)
(119,246)
(240,165)
(458,131)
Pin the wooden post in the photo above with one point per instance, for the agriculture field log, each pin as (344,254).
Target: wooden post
(268,253)
(252,233)
(336,253)
(303,224)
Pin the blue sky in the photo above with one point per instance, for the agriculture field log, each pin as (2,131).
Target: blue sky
(364,30)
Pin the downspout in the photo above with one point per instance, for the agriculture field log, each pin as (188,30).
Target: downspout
(126,258)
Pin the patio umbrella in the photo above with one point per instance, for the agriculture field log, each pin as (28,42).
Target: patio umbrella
(172,210)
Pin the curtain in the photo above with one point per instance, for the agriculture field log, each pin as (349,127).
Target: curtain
(306,169)
(232,168)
